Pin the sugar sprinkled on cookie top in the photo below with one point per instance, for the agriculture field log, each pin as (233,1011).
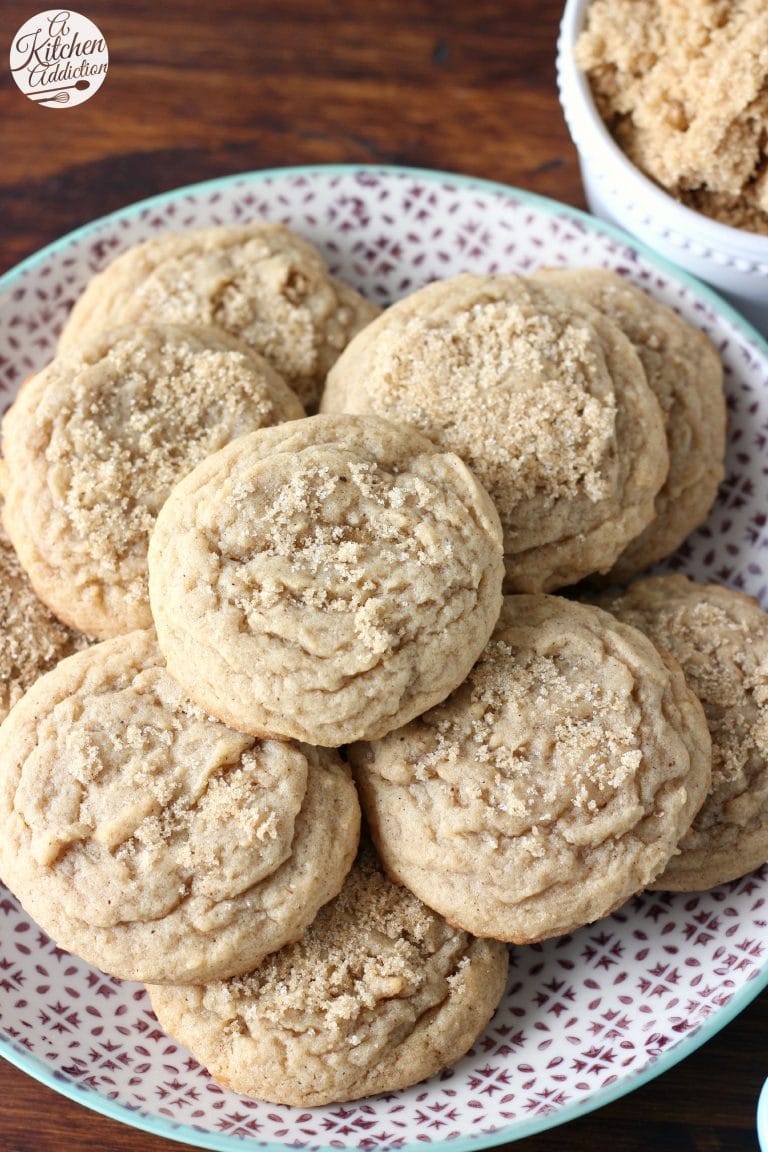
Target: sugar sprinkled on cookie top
(720,637)
(379,993)
(372,945)
(33,640)
(343,527)
(123,437)
(592,749)
(551,785)
(97,439)
(259,282)
(531,414)
(542,396)
(325,578)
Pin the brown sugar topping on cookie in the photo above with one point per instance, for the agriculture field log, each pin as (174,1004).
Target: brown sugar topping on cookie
(371,945)
(560,431)
(95,442)
(316,522)
(379,993)
(323,579)
(720,637)
(259,282)
(547,403)
(32,640)
(685,373)
(114,466)
(550,786)
(593,758)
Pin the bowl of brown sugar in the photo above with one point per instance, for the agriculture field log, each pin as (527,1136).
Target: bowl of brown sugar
(667,104)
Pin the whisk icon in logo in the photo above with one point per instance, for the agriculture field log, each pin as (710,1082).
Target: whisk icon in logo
(59,58)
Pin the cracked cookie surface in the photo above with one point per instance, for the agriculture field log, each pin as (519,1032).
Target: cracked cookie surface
(326,579)
(720,638)
(97,439)
(152,840)
(379,994)
(547,404)
(259,282)
(551,786)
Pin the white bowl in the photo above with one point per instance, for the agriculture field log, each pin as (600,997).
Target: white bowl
(732,261)
(762,1118)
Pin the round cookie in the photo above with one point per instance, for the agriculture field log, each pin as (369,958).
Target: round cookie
(32,640)
(686,374)
(720,638)
(551,786)
(379,994)
(259,282)
(325,580)
(97,439)
(550,409)
(153,841)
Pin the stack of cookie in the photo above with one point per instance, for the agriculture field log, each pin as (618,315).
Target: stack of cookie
(299,614)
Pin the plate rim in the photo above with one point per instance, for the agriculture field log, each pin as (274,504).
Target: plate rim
(187,1134)
(546,204)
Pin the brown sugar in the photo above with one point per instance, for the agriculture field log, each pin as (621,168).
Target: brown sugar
(683,88)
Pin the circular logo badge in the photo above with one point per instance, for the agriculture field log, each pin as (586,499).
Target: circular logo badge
(59,58)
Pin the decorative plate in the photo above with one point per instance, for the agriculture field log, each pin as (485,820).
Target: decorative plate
(587,1017)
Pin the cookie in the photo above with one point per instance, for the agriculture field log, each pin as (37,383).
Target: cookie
(551,410)
(97,439)
(551,786)
(326,580)
(32,640)
(379,994)
(720,638)
(259,282)
(152,840)
(686,374)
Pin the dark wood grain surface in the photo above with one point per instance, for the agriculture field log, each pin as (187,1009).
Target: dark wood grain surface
(196,91)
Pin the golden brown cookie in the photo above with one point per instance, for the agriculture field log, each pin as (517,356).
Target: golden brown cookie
(32,640)
(686,374)
(153,841)
(550,409)
(328,579)
(379,994)
(95,442)
(551,786)
(259,282)
(720,638)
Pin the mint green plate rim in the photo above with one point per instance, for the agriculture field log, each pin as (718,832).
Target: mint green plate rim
(220,1142)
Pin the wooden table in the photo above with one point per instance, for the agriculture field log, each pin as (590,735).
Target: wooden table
(203,90)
